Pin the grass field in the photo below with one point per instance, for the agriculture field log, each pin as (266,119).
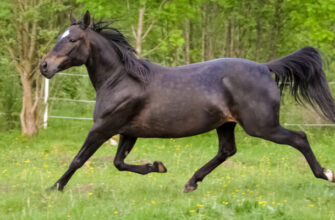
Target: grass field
(262,181)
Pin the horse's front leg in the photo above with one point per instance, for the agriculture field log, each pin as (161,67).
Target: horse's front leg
(93,141)
(126,144)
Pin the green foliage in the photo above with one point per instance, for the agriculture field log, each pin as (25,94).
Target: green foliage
(9,98)
(259,30)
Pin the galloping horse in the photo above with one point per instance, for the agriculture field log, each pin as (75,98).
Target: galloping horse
(136,98)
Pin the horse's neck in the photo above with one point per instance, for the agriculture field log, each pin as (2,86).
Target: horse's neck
(103,62)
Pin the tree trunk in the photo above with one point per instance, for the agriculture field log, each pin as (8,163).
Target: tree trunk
(228,38)
(187,40)
(276,29)
(139,30)
(203,32)
(28,116)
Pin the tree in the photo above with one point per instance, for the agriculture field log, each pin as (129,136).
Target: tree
(28,28)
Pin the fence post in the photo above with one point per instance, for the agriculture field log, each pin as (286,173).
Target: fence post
(46,96)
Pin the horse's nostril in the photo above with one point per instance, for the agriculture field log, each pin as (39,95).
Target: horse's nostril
(44,65)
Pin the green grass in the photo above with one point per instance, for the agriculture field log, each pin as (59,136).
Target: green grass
(262,181)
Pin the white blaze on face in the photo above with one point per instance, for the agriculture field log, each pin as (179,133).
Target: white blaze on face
(66,33)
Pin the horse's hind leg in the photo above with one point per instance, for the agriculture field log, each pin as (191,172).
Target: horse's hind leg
(226,148)
(126,144)
(299,141)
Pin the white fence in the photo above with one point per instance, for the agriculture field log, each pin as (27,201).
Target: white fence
(46,115)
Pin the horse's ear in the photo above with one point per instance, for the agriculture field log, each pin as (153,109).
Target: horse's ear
(87,19)
(72,19)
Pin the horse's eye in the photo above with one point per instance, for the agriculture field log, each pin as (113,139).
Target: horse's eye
(72,40)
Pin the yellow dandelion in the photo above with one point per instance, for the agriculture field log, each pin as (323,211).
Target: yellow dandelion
(262,202)
(91,168)
(224,203)
(311,205)
(90,193)
(4,171)
(285,201)
(192,211)
(68,216)
(200,205)
(116,212)
(153,202)
(27,161)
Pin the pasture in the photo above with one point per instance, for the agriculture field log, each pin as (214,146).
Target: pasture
(262,181)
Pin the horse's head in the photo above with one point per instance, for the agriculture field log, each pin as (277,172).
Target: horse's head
(72,48)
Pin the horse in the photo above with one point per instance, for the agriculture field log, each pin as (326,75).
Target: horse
(139,99)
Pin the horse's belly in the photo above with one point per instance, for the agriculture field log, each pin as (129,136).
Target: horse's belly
(171,123)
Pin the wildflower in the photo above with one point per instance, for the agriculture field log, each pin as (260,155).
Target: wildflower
(200,205)
(116,212)
(68,216)
(262,202)
(27,161)
(191,211)
(285,201)
(153,202)
(4,171)
(224,202)
(311,205)
(90,193)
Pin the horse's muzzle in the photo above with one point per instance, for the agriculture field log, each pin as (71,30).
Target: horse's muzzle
(47,69)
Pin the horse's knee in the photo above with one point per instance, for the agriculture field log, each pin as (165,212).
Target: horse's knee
(76,163)
(223,155)
(232,152)
(119,165)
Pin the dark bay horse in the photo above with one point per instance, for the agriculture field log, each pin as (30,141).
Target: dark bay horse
(136,98)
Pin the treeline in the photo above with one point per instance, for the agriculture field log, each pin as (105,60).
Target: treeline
(165,31)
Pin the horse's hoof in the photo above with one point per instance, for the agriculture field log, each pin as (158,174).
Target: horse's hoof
(54,188)
(160,167)
(188,188)
(50,189)
(329,174)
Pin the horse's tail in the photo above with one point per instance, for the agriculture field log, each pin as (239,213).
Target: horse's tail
(302,72)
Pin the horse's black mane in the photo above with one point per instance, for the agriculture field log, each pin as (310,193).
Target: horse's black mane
(135,67)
